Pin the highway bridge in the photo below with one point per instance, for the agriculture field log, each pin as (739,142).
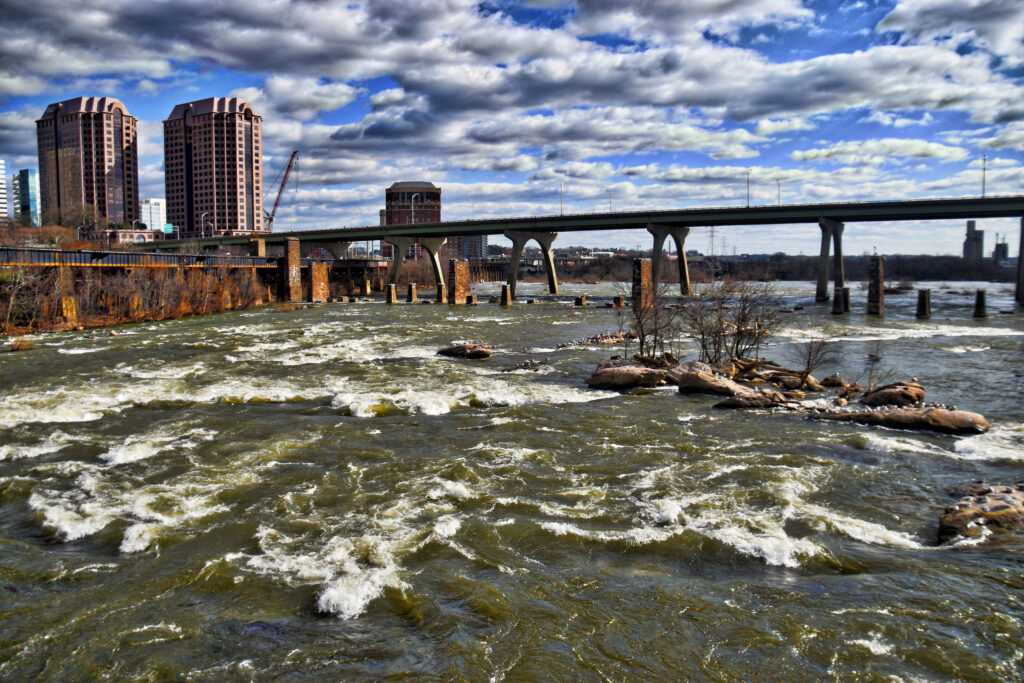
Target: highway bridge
(830,218)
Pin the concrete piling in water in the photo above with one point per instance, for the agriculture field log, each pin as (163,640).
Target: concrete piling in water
(924,303)
(619,302)
(506,295)
(643,284)
(838,306)
(876,286)
(392,295)
(846,299)
(580,301)
(410,296)
(442,294)
(979,304)
(366,288)
(293,270)
(319,290)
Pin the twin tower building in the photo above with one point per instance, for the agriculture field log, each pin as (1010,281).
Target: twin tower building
(213,169)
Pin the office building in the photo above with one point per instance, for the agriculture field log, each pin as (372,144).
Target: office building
(88,162)
(213,168)
(25,197)
(974,243)
(153,212)
(410,202)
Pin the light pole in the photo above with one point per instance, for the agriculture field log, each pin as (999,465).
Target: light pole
(412,207)
(474,208)
(984,171)
(202,224)
(134,222)
(561,204)
(609,200)
(748,188)
(779,184)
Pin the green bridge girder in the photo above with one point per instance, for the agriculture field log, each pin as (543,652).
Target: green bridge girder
(851,212)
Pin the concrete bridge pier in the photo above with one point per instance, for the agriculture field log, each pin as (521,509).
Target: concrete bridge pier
(543,239)
(335,249)
(433,246)
(401,245)
(1020,267)
(831,234)
(679,235)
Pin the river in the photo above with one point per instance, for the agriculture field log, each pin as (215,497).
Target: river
(314,494)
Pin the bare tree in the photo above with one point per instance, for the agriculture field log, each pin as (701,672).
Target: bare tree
(654,321)
(811,354)
(874,371)
(730,319)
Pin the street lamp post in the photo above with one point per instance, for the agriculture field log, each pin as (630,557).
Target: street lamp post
(748,187)
(474,208)
(984,172)
(778,183)
(609,201)
(412,207)
(202,224)
(561,204)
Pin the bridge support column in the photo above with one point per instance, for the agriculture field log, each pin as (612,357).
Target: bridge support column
(831,233)
(1020,267)
(257,247)
(543,239)
(458,278)
(401,245)
(335,249)
(679,235)
(433,246)
(876,286)
(319,289)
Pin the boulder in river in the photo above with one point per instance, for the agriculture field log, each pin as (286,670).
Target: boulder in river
(996,507)
(467,351)
(701,382)
(622,377)
(898,394)
(833,381)
(932,418)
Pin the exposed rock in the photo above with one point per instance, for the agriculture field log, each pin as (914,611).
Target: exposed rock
(767,398)
(897,394)
(726,368)
(623,377)
(833,381)
(533,365)
(468,351)
(850,390)
(997,507)
(811,384)
(914,417)
(699,382)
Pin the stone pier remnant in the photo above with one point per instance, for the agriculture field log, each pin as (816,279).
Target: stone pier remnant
(980,310)
(442,294)
(924,303)
(458,277)
(319,289)
(643,283)
(619,302)
(366,288)
(392,296)
(580,301)
(876,286)
(831,234)
(258,247)
(506,295)
(293,270)
(410,296)
(679,235)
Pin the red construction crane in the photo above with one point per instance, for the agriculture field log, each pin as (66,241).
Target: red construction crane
(280,190)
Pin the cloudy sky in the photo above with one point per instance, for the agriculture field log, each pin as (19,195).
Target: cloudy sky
(644,103)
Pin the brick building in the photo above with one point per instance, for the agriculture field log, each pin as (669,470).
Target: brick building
(410,202)
(88,161)
(213,172)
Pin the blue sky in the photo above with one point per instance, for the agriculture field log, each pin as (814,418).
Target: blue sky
(661,102)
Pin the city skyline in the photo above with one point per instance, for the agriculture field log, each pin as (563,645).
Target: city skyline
(533,108)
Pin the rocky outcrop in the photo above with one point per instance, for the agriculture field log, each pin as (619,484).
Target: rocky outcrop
(701,382)
(898,394)
(932,418)
(622,377)
(833,381)
(980,506)
(467,351)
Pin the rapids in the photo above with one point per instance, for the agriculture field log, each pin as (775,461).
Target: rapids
(314,494)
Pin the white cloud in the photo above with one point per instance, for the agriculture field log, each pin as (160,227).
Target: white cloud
(996,25)
(880,151)
(772,126)
(888,119)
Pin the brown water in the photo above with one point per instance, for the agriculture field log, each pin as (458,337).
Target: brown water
(314,494)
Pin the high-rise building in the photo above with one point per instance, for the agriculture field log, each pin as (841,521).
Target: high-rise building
(974,244)
(410,202)
(88,161)
(213,167)
(25,197)
(3,190)
(153,213)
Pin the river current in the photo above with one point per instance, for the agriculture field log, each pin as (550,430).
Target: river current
(314,494)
